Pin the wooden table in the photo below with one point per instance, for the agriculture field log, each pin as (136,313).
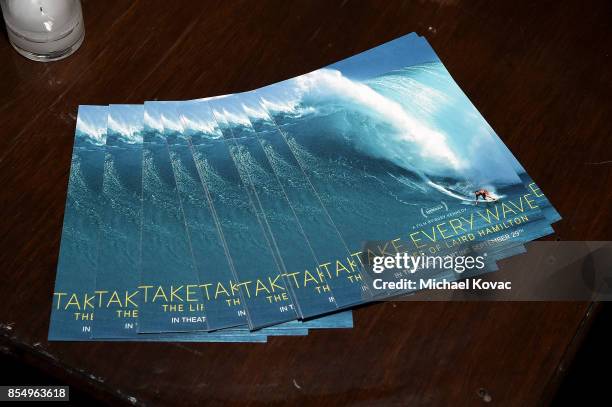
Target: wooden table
(538,71)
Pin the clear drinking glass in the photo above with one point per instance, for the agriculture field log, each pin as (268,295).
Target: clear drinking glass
(44,30)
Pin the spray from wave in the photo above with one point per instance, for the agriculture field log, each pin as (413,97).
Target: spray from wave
(95,134)
(404,117)
(129,133)
(427,146)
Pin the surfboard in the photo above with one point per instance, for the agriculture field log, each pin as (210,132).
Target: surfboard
(485,201)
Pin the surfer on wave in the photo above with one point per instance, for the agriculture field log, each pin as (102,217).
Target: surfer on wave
(486,195)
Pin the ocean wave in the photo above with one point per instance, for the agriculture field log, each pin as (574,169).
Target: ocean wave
(156,190)
(187,179)
(416,118)
(118,195)
(214,182)
(231,118)
(430,94)
(129,133)
(255,112)
(94,133)
(171,123)
(405,141)
(83,193)
(196,124)
(153,122)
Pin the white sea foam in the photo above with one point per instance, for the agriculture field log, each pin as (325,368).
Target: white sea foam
(97,134)
(130,132)
(285,106)
(253,111)
(197,124)
(153,122)
(406,117)
(232,117)
(431,145)
(171,123)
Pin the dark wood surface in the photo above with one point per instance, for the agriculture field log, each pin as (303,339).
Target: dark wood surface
(539,72)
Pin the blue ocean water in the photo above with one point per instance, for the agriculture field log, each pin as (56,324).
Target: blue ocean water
(551,214)
(257,275)
(118,268)
(268,205)
(442,105)
(412,50)
(208,245)
(100,232)
(337,267)
(380,153)
(291,246)
(205,239)
(375,146)
(166,259)
(72,314)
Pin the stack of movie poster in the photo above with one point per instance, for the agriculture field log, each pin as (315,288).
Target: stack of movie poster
(233,218)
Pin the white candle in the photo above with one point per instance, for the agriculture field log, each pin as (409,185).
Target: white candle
(44,29)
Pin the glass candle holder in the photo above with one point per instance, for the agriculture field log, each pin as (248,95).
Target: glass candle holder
(44,30)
